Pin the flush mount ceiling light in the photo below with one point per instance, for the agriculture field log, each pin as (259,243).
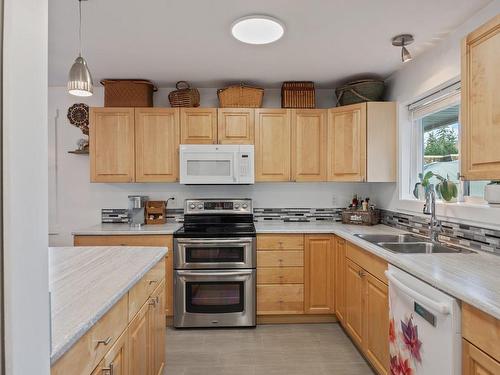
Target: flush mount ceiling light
(257,29)
(80,79)
(402,41)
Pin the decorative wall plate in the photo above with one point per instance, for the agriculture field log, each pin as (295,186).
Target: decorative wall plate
(78,115)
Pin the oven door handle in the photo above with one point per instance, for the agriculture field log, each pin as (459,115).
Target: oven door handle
(241,241)
(216,274)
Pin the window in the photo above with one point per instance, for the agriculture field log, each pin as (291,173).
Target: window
(435,142)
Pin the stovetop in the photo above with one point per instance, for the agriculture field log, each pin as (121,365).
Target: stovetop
(216,231)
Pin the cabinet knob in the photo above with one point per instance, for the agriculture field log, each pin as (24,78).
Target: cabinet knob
(105,342)
(154,301)
(361,273)
(151,281)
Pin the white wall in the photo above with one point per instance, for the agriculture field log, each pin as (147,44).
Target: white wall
(75,203)
(25,187)
(415,80)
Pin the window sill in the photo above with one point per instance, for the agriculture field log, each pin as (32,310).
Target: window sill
(473,213)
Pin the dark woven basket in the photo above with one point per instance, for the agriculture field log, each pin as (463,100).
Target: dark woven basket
(298,94)
(128,92)
(367,90)
(184,96)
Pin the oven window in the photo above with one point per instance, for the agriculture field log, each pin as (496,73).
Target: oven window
(209,168)
(215,297)
(214,254)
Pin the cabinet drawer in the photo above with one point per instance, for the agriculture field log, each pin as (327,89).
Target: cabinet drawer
(280,275)
(285,258)
(280,299)
(88,351)
(482,330)
(144,288)
(280,242)
(477,362)
(369,262)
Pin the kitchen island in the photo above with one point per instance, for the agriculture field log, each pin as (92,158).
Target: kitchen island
(107,307)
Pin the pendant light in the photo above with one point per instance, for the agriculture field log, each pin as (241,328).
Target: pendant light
(80,79)
(402,41)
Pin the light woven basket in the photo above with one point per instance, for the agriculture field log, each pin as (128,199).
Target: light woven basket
(184,96)
(240,96)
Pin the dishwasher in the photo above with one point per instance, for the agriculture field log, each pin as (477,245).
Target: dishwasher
(424,327)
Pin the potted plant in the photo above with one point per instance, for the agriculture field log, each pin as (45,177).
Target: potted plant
(445,188)
(492,192)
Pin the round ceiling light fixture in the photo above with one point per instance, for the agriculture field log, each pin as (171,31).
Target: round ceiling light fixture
(258,29)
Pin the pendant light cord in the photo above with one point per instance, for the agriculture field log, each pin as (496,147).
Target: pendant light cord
(80,28)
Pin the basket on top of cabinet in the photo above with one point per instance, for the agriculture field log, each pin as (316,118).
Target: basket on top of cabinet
(240,96)
(298,94)
(128,92)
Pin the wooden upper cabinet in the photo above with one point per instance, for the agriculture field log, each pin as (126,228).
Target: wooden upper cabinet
(235,125)
(157,144)
(480,104)
(272,145)
(347,143)
(318,274)
(309,129)
(112,145)
(198,125)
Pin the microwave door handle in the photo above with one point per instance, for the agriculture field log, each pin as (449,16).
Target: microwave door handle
(235,167)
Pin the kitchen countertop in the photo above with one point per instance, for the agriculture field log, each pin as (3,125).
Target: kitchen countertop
(125,229)
(85,282)
(472,278)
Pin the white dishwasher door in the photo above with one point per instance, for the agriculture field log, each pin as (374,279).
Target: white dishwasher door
(424,329)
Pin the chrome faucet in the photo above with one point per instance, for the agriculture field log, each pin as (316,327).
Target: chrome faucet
(430,209)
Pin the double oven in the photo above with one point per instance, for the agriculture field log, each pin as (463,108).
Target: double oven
(214,265)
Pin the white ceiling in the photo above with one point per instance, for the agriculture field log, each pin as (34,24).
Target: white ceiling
(327,41)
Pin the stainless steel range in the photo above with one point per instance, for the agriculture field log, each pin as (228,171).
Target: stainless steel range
(214,265)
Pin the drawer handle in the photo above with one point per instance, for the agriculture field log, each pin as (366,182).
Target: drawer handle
(105,342)
(361,273)
(108,370)
(154,301)
(151,281)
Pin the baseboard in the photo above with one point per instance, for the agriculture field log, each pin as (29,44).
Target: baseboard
(290,319)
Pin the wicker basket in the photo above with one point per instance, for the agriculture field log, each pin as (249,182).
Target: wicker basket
(358,217)
(298,95)
(240,96)
(128,92)
(366,90)
(184,96)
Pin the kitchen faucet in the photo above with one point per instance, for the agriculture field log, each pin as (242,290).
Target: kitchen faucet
(430,209)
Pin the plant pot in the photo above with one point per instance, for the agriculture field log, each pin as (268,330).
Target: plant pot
(492,193)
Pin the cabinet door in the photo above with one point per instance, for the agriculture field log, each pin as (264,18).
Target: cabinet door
(115,362)
(480,120)
(347,143)
(112,145)
(309,144)
(139,343)
(272,145)
(198,125)
(235,125)
(157,330)
(476,362)
(156,144)
(376,315)
(319,275)
(353,320)
(339,273)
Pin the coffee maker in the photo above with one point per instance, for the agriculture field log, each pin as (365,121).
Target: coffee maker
(137,210)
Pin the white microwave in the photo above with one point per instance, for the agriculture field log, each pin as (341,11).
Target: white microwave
(216,164)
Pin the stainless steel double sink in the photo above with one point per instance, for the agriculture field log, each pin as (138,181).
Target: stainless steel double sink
(410,244)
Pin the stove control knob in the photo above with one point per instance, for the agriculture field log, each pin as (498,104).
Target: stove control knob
(200,206)
(245,206)
(192,206)
(236,206)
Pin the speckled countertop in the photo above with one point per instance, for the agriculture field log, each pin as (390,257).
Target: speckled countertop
(125,229)
(85,282)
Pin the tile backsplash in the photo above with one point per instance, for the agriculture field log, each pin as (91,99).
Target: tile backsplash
(461,234)
(297,214)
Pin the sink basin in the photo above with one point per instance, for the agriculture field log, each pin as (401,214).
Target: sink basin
(422,248)
(392,238)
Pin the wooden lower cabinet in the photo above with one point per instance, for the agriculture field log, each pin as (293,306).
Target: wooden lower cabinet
(339,276)
(280,299)
(366,310)
(477,362)
(115,362)
(157,329)
(139,346)
(376,324)
(318,274)
(140,240)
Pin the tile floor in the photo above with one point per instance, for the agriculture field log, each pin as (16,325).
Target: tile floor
(305,349)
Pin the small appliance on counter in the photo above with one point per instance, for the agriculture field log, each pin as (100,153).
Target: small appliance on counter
(137,210)
(214,265)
